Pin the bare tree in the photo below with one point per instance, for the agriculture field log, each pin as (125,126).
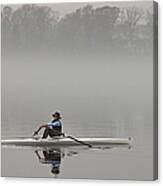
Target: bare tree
(133,16)
(130,19)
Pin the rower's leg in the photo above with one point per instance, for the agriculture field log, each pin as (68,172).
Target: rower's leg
(46,133)
(53,133)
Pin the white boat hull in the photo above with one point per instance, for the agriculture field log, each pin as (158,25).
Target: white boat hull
(66,141)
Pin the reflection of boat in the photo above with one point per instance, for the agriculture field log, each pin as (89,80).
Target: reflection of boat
(65,141)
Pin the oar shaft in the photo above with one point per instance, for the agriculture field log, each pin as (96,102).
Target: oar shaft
(78,141)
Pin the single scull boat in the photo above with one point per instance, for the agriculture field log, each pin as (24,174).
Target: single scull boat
(65,141)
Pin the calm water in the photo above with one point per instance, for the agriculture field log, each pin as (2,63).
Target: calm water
(112,100)
(82,162)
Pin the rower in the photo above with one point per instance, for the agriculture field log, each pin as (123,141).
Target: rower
(53,128)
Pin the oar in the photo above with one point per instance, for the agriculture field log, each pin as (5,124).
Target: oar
(78,141)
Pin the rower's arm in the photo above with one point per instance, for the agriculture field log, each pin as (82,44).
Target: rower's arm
(42,126)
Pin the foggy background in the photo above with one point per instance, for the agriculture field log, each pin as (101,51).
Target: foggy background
(90,63)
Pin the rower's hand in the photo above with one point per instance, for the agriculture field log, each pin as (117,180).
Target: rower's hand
(35,133)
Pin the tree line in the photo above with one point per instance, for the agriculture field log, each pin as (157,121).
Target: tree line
(32,28)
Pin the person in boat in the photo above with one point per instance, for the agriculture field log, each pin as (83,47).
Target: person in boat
(53,128)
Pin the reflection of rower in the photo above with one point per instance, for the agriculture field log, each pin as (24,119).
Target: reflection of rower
(52,157)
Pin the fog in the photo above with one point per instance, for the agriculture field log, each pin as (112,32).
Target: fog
(89,91)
